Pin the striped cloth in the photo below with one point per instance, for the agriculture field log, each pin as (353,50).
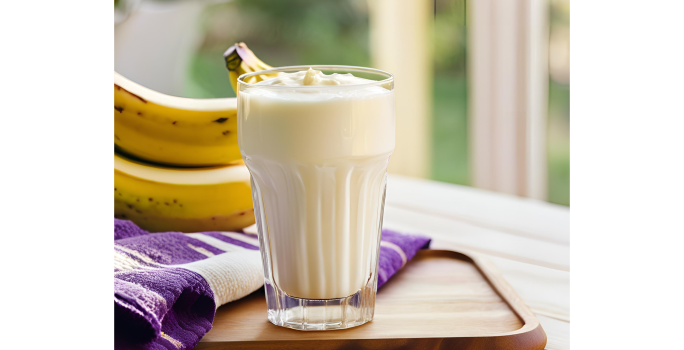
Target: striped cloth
(168,285)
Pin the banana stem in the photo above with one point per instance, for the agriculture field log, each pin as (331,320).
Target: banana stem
(239,60)
(234,56)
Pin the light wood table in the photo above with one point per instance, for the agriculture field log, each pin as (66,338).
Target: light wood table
(528,240)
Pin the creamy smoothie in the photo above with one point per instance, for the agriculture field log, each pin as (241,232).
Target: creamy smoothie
(318,157)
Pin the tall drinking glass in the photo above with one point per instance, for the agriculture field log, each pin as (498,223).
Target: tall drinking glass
(318,158)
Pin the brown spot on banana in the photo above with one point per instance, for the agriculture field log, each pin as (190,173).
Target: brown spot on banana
(118,109)
(220,120)
(226,132)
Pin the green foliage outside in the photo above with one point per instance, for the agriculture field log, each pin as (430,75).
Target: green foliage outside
(281,33)
(450,94)
(558,143)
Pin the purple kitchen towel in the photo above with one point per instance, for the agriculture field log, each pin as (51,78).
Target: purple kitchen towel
(167,285)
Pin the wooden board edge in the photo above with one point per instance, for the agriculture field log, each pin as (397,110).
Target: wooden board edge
(531,332)
(532,340)
(529,337)
(507,293)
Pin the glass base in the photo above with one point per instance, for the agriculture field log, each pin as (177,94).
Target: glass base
(320,314)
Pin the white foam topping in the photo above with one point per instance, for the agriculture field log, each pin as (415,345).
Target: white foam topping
(332,86)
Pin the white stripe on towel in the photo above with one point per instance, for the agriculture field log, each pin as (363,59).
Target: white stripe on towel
(241,237)
(137,254)
(214,242)
(201,250)
(397,249)
(123,262)
(231,275)
(175,342)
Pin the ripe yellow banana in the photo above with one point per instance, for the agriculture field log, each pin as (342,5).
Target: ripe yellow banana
(174,130)
(159,199)
(182,131)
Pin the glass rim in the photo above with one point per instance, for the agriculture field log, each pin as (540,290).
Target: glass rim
(389,79)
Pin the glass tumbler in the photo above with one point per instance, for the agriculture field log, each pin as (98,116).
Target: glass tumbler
(318,156)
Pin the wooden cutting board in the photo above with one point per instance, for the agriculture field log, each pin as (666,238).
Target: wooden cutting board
(440,300)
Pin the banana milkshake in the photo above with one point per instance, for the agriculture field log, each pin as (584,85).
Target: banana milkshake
(317,147)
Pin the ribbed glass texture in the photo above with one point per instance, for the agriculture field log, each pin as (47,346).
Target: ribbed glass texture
(318,159)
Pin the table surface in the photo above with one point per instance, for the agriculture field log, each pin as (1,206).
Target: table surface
(528,240)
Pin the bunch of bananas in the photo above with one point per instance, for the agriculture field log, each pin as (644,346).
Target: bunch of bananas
(177,166)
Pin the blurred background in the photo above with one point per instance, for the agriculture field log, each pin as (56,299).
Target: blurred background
(483,90)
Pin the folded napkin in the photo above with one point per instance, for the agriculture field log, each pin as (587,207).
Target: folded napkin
(168,285)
